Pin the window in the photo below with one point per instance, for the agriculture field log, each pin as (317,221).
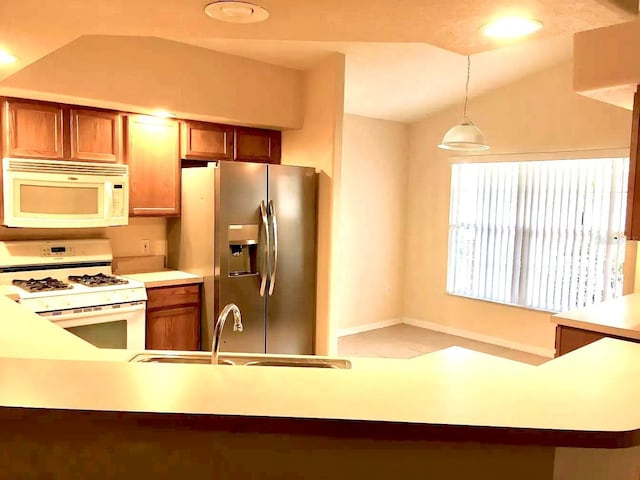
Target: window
(547,235)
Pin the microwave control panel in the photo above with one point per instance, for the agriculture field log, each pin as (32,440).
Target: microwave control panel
(118,200)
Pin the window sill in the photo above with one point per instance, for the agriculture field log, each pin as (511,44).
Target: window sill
(504,304)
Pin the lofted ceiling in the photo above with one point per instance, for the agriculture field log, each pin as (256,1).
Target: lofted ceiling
(406,81)
(404,57)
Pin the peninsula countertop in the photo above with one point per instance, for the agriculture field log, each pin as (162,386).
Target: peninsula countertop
(619,317)
(583,399)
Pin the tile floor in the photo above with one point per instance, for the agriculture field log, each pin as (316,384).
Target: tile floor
(406,341)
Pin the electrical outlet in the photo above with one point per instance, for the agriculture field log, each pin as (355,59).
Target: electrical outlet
(145,247)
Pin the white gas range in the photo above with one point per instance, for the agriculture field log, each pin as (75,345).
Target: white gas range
(70,282)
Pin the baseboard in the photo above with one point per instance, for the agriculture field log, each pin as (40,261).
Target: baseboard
(471,335)
(343,332)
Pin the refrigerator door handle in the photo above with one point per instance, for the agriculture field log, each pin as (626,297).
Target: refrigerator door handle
(274,265)
(265,256)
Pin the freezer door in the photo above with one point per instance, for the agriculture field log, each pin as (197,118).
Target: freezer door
(240,190)
(291,299)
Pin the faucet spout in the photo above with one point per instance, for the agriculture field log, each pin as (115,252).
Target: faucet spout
(218,327)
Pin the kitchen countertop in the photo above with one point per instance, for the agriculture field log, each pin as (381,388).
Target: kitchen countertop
(620,317)
(164,278)
(585,398)
(10,291)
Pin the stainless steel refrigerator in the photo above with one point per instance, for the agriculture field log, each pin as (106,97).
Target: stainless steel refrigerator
(250,230)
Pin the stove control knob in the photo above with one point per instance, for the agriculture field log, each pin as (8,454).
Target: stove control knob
(44,305)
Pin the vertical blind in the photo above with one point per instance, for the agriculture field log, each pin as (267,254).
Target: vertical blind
(547,235)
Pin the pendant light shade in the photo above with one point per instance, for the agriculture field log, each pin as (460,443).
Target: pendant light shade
(465,137)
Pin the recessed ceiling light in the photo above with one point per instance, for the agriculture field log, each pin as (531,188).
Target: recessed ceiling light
(6,58)
(236,11)
(511,27)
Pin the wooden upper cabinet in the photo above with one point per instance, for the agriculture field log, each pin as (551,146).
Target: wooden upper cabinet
(96,136)
(257,145)
(206,141)
(153,155)
(632,227)
(33,130)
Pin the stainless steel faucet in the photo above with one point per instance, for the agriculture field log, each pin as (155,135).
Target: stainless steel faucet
(217,329)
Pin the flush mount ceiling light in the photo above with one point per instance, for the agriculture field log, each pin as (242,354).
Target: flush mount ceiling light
(465,137)
(6,58)
(511,27)
(236,11)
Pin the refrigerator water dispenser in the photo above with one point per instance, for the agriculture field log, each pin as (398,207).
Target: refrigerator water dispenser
(243,250)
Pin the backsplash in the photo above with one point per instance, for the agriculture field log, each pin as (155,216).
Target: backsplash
(126,241)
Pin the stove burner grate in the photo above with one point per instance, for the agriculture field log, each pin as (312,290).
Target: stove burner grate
(41,284)
(98,280)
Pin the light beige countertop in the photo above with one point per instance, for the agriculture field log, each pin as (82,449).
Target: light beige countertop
(586,398)
(9,291)
(165,278)
(620,317)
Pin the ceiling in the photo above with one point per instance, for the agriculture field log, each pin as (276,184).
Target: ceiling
(404,57)
(424,79)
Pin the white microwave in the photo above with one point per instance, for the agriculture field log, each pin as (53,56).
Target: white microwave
(60,194)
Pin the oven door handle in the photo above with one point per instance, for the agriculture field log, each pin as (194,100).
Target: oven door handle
(93,313)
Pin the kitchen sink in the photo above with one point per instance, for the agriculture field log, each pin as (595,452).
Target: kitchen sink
(243,360)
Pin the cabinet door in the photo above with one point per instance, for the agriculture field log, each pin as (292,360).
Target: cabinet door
(33,129)
(569,339)
(207,141)
(153,155)
(257,145)
(96,136)
(173,328)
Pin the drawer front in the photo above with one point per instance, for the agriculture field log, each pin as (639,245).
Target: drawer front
(162,297)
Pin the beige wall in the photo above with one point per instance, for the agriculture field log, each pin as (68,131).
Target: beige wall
(318,144)
(375,157)
(142,74)
(125,240)
(540,113)
(606,63)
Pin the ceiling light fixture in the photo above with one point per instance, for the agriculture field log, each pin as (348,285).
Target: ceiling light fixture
(236,11)
(511,27)
(466,136)
(6,58)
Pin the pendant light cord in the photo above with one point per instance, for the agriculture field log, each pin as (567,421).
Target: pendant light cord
(466,91)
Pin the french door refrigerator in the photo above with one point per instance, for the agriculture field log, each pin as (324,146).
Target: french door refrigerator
(250,230)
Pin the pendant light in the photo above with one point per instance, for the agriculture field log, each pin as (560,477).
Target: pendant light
(466,136)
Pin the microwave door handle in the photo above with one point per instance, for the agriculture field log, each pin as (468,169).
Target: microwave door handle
(265,253)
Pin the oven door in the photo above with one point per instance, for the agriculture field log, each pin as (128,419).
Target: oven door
(107,326)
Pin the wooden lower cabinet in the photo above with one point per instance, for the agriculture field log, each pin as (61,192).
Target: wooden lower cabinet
(173,318)
(569,339)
